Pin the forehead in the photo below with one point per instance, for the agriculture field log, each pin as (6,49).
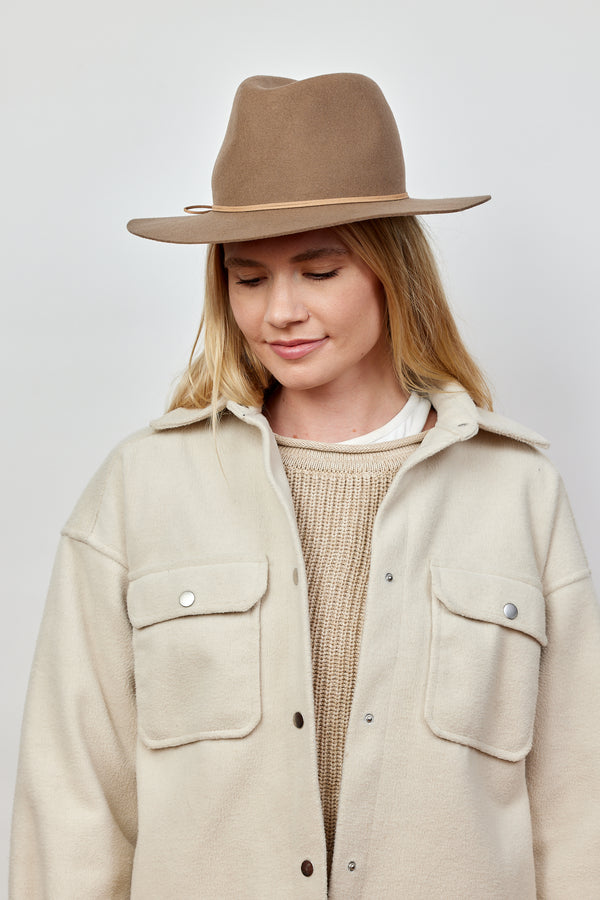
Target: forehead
(285,247)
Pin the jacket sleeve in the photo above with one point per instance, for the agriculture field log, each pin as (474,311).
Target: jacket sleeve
(74,822)
(563,767)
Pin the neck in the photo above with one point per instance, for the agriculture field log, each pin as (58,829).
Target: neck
(335,412)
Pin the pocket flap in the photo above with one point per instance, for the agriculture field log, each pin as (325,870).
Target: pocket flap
(492,598)
(196,590)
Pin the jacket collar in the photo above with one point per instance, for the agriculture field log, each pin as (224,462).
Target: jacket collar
(178,418)
(457,414)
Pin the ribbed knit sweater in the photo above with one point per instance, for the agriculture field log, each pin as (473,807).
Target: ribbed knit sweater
(337,491)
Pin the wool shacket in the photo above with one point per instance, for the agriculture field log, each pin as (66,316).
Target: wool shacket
(170,727)
(337,491)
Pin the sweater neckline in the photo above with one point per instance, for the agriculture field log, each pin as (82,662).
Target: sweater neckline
(321,447)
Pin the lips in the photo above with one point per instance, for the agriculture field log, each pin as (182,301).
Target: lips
(296,349)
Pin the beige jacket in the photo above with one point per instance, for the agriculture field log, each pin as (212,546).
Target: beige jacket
(161,756)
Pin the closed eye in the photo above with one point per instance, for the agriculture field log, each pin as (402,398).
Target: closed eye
(251,282)
(322,276)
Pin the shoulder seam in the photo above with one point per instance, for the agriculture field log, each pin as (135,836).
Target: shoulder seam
(82,538)
(111,461)
(81,535)
(571,579)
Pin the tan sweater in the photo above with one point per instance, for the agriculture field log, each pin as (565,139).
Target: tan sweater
(337,491)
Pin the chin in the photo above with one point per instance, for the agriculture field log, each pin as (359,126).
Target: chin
(300,383)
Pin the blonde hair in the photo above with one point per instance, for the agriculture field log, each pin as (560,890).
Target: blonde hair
(427,349)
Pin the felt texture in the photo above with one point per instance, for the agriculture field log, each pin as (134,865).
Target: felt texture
(331,137)
(440,796)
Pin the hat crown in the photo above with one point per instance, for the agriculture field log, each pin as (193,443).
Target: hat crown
(331,136)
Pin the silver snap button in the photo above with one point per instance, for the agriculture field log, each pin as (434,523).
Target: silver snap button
(351,866)
(295,576)
(187,598)
(369,717)
(389,576)
(511,611)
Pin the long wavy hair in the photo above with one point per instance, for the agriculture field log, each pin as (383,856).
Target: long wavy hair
(427,349)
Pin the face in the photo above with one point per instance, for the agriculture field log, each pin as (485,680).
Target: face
(310,309)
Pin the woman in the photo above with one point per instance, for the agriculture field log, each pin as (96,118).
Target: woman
(330,550)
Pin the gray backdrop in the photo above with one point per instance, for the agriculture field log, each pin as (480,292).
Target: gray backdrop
(116,110)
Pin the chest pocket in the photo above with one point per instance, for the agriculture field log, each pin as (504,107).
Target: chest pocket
(486,640)
(196,641)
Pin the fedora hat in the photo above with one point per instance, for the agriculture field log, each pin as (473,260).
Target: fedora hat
(300,155)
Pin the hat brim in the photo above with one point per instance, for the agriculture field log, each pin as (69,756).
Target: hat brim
(215,227)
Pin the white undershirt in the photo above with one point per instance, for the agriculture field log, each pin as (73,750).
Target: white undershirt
(410,420)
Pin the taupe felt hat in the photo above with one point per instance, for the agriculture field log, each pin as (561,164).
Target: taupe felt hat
(300,155)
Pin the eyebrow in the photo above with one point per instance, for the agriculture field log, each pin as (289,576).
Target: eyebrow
(305,256)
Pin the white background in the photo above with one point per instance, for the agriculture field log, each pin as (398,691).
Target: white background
(116,110)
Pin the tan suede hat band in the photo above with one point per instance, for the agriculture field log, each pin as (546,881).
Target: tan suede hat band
(200,209)
(301,155)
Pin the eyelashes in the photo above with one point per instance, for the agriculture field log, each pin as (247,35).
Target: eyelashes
(322,276)
(312,276)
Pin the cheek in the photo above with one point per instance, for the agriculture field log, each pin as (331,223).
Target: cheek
(241,314)
(364,315)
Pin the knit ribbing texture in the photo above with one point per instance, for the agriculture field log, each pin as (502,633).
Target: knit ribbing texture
(337,491)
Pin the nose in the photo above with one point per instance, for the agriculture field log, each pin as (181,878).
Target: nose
(284,304)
